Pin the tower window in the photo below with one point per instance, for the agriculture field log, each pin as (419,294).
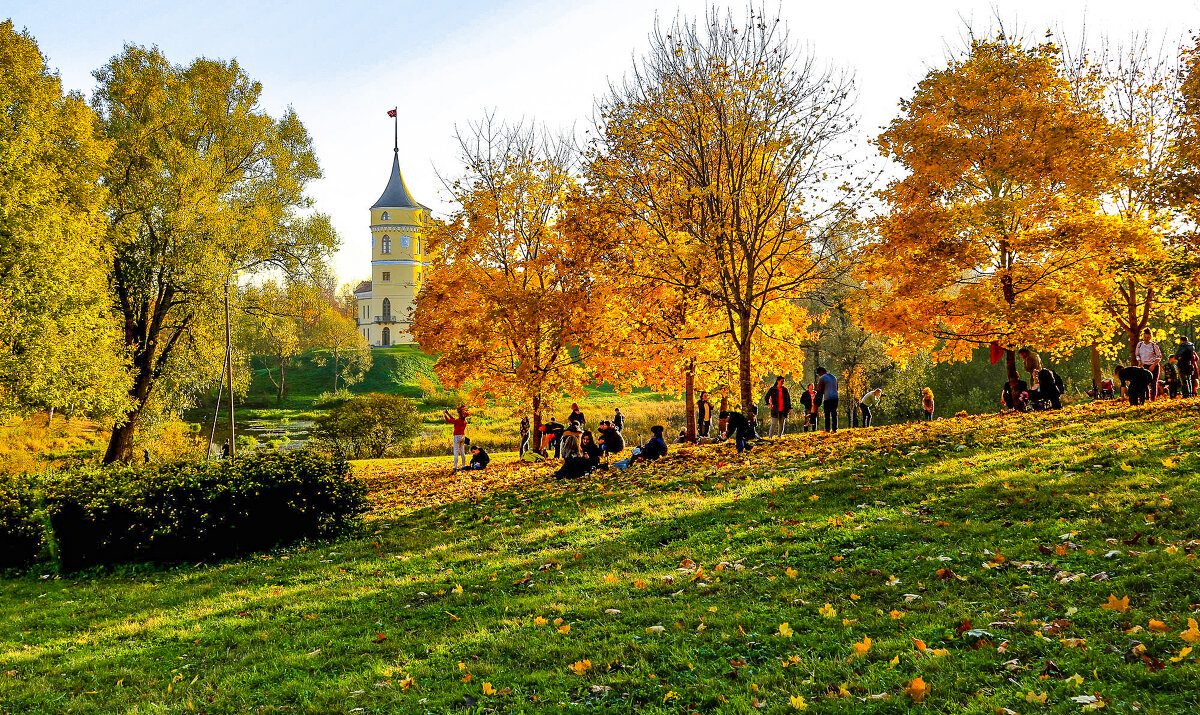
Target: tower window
(387,276)
(404,241)
(385,217)
(387,245)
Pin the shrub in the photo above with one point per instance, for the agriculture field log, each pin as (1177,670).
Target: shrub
(368,426)
(178,511)
(328,400)
(246,442)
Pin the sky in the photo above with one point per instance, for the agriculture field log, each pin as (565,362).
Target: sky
(343,65)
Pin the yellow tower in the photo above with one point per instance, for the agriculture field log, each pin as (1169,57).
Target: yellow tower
(397,263)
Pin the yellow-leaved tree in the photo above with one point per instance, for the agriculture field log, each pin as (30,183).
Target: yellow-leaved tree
(994,231)
(510,306)
(724,143)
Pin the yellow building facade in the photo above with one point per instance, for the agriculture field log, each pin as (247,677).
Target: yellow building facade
(398,264)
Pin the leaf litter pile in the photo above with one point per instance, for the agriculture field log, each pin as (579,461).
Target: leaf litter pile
(991,564)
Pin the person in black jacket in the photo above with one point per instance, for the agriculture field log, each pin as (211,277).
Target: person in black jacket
(1185,355)
(479,459)
(618,420)
(780,401)
(740,429)
(1138,380)
(576,415)
(575,462)
(591,450)
(611,441)
(704,413)
(1050,388)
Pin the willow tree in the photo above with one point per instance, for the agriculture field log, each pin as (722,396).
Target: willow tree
(57,346)
(994,230)
(203,184)
(725,142)
(510,306)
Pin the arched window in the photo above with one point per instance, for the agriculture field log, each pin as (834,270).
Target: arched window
(384,216)
(387,308)
(387,245)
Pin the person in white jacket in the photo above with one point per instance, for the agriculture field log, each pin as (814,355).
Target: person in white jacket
(1147,354)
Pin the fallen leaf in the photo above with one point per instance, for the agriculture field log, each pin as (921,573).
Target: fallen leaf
(917,689)
(1114,604)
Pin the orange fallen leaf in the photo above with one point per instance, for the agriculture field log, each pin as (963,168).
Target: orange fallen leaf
(917,689)
(1120,605)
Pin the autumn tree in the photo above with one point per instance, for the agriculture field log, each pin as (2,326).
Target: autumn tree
(1185,145)
(202,184)
(57,345)
(994,230)
(1148,271)
(510,306)
(725,143)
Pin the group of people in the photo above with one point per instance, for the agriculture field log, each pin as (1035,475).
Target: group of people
(1150,375)
(1043,391)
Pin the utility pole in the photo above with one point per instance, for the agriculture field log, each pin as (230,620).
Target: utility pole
(229,373)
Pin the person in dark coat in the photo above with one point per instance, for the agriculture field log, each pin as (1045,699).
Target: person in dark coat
(479,459)
(551,436)
(655,448)
(619,420)
(1021,403)
(1049,388)
(611,441)
(780,401)
(591,450)
(575,462)
(576,415)
(1185,355)
(704,413)
(1137,380)
(524,444)
(740,429)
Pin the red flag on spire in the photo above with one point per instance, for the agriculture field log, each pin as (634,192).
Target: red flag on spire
(391,113)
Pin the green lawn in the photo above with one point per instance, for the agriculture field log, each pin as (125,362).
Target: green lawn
(992,540)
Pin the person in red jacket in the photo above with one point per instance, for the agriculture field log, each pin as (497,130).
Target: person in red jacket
(459,421)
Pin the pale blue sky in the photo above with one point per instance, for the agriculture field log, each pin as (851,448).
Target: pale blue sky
(343,65)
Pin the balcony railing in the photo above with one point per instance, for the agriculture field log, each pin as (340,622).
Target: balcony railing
(386,319)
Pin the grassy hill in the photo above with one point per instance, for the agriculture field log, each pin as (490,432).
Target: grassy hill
(1015,563)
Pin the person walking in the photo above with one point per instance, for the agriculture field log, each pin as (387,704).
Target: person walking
(1147,354)
(927,403)
(703,414)
(619,420)
(780,402)
(459,422)
(524,444)
(827,391)
(868,404)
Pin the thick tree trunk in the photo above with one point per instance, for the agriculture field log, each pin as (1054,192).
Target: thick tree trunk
(120,442)
(535,435)
(689,399)
(1010,363)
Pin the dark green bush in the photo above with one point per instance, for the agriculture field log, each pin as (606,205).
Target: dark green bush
(367,426)
(181,511)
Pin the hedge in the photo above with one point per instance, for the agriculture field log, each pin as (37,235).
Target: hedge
(183,511)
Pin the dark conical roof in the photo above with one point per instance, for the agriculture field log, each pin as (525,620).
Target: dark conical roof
(396,195)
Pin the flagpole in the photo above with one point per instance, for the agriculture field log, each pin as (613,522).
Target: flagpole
(396,128)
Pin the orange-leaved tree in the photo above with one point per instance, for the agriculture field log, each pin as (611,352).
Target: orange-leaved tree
(510,306)
(722,144)
(993,232)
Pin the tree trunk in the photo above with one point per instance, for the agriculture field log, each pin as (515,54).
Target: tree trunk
(535,435)
(1010,363)
(282,381)
(745,387)
(689,399)
(50,418)
(335,368)
(1094,354)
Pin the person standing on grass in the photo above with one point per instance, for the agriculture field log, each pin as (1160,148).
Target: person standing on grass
(459,422)
(524,446)
(827,390)
(703,414)
(868,404)
(1170,372)
(806,401)
(619,420)
(1147,354)
(780,401)
(927,403)
(1186,356)
(576,415)
(722,418)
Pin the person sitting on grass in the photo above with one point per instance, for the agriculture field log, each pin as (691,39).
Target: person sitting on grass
(740,429)
(611,441)
(591,450)
(575,463)
(479,458)
(1021,403)
(652,450)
